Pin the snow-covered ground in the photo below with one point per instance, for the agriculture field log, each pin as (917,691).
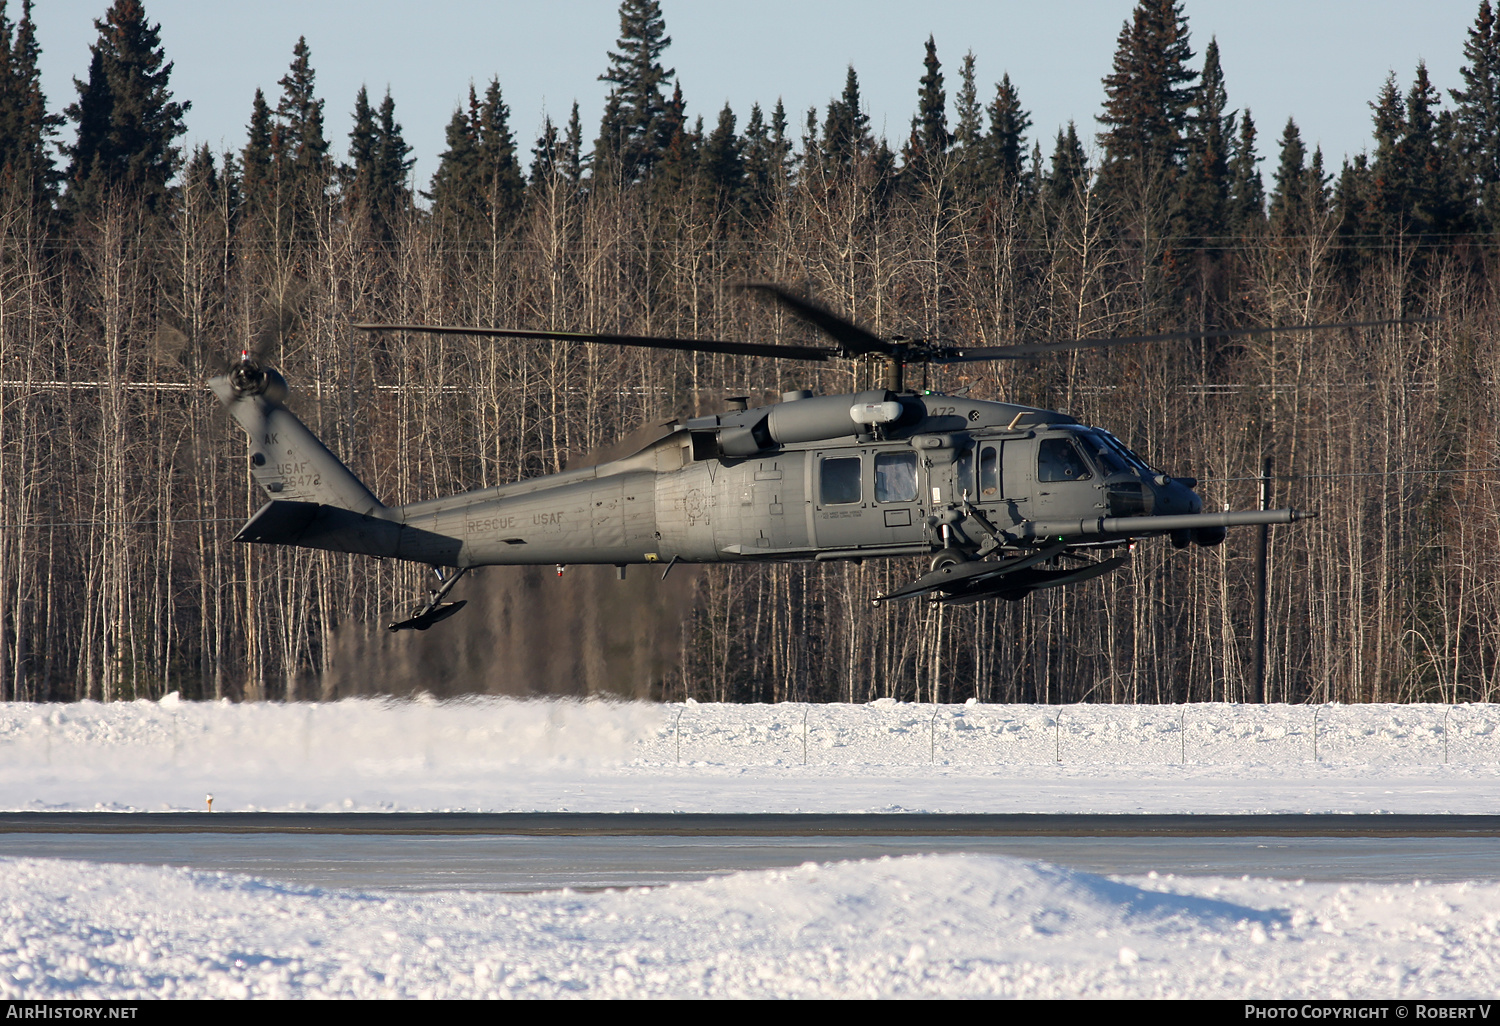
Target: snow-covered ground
(498,754)
(928,925)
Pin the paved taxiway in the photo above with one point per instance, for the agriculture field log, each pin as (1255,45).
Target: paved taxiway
(540,851)
(789,824)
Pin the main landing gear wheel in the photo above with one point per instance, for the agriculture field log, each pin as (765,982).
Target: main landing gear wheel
(947,558)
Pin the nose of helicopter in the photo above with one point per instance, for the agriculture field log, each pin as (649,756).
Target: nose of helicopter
(1176,495)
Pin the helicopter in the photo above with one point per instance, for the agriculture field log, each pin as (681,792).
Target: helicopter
(1003,499)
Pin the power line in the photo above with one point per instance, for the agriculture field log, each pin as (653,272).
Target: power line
(121,523)
(1368,473)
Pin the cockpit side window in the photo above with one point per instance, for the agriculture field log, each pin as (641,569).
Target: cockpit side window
(1058,459)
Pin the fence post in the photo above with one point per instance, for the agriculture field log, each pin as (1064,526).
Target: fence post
(932,734)
(1446,713)
(677,733)
(1057,735)
(1182,732)
(1316,713)
(804,735)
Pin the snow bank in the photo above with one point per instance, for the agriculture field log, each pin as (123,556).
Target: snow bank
(501,754)
(931,925)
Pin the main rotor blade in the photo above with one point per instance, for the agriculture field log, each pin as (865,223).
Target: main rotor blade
(1029,350)
(686,345)
(854,340)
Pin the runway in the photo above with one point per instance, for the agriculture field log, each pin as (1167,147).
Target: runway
(548,851)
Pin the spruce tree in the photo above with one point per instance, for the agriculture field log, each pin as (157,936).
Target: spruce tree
(455,184)
(781,143)
(762,171)
(305,166)
(256,160)
(210,189)
(574,148)
(1247,198)
(1477,112)
(1069,174)
(1385,199)
(390,167)
(723,159)
(846,128)
(1149,96)
(634,130)
(1315,189)
(478,189)
(930,138)
(968,130)
(546,154)
(1434,186)
(1006,145)
(126,117)
(27,173)
(1206,185)
(359,175)
(502,186)
(200,179)
(1354,214)
(91,113)
(1035,175)
(677,167)
(555,154)
(811,160)
(767,152)
(1289,200)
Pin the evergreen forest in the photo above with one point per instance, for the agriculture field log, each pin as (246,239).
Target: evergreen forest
(132,267)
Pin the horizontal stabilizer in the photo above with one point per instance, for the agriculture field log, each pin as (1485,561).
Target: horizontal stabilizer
(312,525)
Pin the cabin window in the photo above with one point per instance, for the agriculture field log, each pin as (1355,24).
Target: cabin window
(1058,459)
(895,477)
(840,480)
(989,473)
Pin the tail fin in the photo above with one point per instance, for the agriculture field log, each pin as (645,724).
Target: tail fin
(286,459)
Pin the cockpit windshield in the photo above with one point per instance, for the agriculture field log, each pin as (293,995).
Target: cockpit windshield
(1103,454)
(1118,448)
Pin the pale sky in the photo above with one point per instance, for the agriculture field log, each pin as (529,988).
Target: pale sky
(1320,61)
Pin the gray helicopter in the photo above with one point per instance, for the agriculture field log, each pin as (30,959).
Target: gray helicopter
(1004,499)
